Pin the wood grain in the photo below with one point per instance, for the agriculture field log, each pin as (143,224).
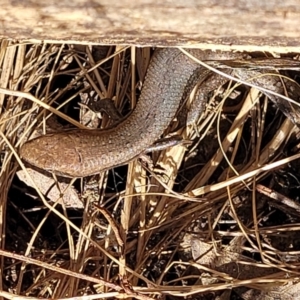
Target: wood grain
(241,24)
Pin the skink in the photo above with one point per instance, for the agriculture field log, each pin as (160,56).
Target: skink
(171,76)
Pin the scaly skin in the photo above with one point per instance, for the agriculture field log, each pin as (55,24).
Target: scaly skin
(170,77)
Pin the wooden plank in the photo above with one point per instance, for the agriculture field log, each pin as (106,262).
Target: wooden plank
(205,23)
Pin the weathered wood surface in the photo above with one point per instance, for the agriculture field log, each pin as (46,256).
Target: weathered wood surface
(245,23)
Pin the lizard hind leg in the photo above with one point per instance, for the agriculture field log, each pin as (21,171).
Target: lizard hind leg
(201,96)
(107,106)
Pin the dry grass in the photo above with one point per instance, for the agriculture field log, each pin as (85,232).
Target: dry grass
(191,197)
